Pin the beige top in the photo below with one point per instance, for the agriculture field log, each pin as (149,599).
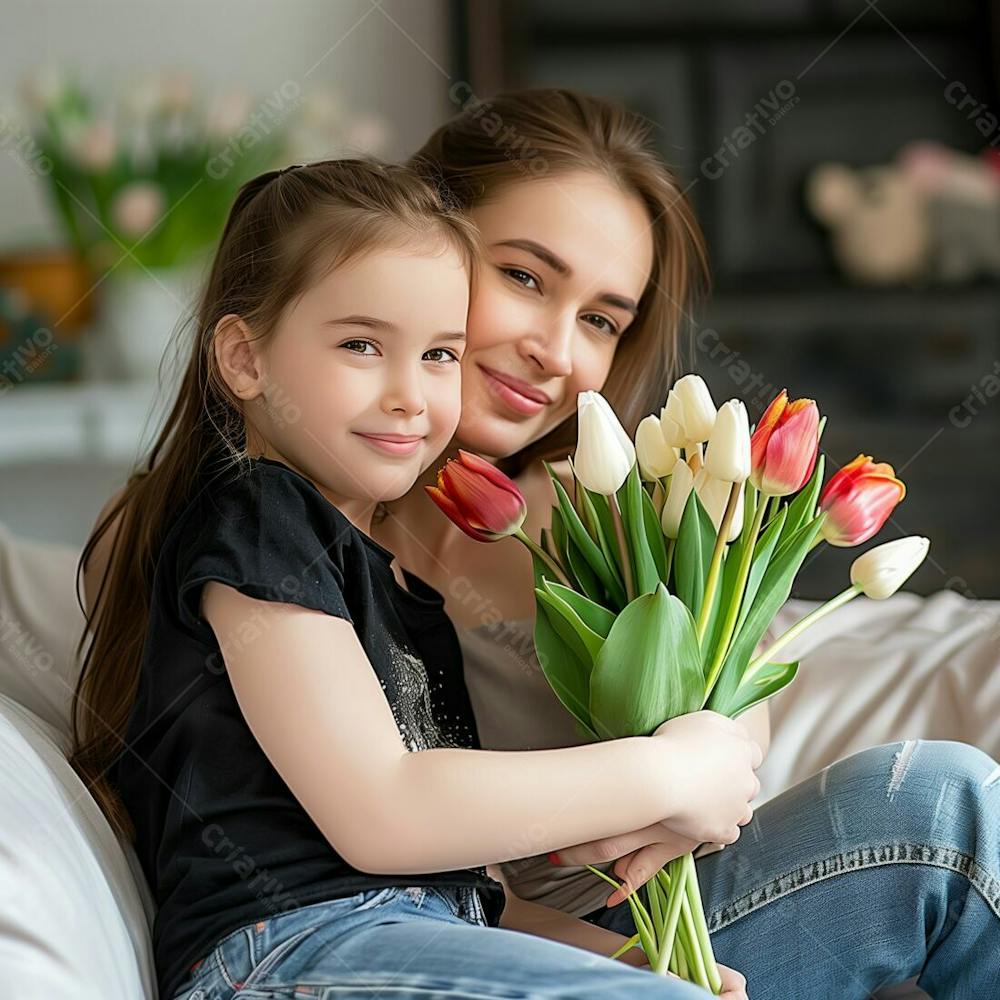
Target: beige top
(516,709)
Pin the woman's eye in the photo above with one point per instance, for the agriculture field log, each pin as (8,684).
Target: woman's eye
(602,323)
(448,356)
(352,345)
(521,277)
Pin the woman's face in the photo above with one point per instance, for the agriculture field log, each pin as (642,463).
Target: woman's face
(567,260)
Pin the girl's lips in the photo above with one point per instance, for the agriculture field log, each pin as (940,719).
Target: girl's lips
(508,394)
(392,444)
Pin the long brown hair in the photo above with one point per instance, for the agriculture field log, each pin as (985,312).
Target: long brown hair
(520,135)
(285,230)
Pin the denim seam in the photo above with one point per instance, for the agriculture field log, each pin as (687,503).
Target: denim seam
(859,859)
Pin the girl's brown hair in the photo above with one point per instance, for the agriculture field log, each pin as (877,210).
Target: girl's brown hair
(286,229)
(526,134)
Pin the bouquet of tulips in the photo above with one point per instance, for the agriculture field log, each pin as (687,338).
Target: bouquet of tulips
(663,568)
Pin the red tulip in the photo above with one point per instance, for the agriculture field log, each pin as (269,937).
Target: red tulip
(479,498)
(784,445)
(858,501)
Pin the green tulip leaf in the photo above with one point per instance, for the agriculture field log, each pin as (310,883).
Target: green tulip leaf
(763,553)
(566,673)
(654,537)
(630,496)
(589,549)
(595,616)
(571,628)
(803,508)
(649,668)
(775,586)
(693,553)
(597,518)
(767,682)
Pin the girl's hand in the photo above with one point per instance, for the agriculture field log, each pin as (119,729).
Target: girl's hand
(641,854)
(734,984)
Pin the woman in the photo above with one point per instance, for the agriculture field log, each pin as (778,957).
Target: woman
(594,256)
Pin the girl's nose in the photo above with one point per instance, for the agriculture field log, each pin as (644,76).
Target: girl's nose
(404,394)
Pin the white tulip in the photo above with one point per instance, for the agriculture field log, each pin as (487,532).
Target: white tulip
(681,481)
(672,421)
(714,495)
(659,497)
(881,571)
(728,454)
(656,457)
(604,452)
(697,407)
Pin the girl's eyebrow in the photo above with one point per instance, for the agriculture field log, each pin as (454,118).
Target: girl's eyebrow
(374,323)
(546,256)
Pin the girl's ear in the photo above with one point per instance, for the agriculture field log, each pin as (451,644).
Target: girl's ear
(237,356)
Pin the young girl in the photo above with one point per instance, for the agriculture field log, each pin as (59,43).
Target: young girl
(274,710)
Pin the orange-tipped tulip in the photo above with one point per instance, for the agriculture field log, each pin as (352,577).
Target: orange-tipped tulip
(784,445)
(858,500)
(479,498)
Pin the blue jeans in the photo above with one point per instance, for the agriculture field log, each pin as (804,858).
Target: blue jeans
(883,867)
(404,944)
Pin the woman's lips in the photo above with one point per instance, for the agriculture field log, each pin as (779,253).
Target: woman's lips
(509,394)
(392,444)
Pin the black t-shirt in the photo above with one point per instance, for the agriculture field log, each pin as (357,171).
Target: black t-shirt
(220,836)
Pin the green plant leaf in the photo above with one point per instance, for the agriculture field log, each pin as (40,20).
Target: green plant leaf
(768,681)
(693,552)
(634,522)
(589,549)
(566,673)
(775,586)
(763,553)
(649,668)
(595,616)
(597,518)
(654,537)
(571,628)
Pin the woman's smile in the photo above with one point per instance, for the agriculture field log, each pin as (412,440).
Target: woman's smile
(518,395)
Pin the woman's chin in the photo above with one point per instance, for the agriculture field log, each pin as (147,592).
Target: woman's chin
(493,436)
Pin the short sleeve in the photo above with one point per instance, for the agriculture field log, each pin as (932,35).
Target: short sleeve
(267,533)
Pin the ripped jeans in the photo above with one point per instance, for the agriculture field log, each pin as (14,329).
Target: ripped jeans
(882,867)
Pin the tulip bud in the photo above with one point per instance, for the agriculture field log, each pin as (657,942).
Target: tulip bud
(604,452)
(728,454)
(784,446)
(714,495)
(681,483)
(881,571)
(479,498)
(672,421)
(697,407)
(656,457)
(659,497)
(858,500)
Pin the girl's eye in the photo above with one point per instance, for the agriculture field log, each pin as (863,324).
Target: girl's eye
(352,344)
(603,323)
(449,356)
(521,277)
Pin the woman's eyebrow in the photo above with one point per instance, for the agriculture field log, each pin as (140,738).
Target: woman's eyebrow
(374,323)
(547,257)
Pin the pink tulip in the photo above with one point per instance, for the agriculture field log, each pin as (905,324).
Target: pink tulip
(784,445)
(858,500)
(479,498)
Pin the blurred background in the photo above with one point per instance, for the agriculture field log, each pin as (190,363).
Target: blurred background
(843,157)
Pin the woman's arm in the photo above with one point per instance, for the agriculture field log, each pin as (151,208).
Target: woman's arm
(315,705)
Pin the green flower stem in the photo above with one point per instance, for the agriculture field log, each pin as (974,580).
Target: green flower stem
(671,545)
(799,627)
(713,570)
(732,612)
(704,942)
(627,946)
(697,959)
(674,883)
(616,517)
(537,550)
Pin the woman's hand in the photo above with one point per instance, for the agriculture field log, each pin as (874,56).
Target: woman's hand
(734,984)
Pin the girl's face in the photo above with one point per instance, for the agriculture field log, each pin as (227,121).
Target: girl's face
(360,384)
(567,260)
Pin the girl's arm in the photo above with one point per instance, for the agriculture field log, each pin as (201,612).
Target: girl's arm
(315,705)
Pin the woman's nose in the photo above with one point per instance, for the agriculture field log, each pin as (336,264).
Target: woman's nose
(551,347)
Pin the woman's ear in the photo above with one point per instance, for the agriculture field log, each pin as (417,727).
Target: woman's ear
(238,357)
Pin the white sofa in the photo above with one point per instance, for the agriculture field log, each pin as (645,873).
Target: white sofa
(75,911)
